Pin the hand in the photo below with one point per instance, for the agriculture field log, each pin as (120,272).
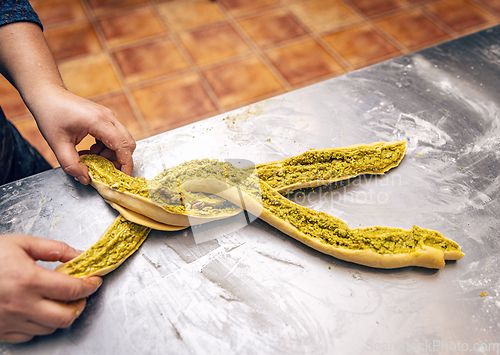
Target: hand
(33,299)
(65,119)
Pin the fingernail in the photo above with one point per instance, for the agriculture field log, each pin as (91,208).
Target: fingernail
(93,283)
(82,179)
(77,306)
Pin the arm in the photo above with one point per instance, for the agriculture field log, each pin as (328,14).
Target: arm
(63,118)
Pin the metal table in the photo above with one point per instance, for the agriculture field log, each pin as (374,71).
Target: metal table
(256,290)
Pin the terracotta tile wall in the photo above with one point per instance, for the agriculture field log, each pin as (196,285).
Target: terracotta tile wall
(161,64)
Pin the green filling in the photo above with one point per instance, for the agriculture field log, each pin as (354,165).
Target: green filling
(165,191)
(333,231)
(322,226)
(324,165)
(120,241)
(331,165)
(104,171)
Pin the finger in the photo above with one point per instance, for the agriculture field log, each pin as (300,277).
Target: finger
(114,139)
(97,147)
(62,287)
(31,328)
(47,250)
(16,338)
(84,152)
(53,314)
(124,131)
(108,154)
(70,161)
(124,157)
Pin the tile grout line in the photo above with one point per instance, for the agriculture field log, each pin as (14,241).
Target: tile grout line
(364,19)
(486,8)
(341,60)
(310,34)
(318,37)
(400,46)
(65,24)
(453,33)
(253,13)
(430,16)
(371,21)
(255,49)
(193,66)
(179,73)
(107,50)
(421,7)
(415,7)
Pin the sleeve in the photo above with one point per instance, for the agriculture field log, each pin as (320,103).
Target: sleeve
(17,11)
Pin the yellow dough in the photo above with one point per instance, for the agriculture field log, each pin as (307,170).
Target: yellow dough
(161,200)
(200,191)
(326,166)
(119,241)
(143,220)
(381,247)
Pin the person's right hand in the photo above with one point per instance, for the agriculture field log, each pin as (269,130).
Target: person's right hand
(35,300)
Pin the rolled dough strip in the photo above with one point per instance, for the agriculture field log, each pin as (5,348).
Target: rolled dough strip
(325,166)
(380,247)
(133,194)
(117,243)
(143,220)
(310,169)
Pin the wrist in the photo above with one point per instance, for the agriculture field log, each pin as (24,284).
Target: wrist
(40,94)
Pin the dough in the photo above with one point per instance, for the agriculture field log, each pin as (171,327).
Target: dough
(119,241)
(201,191)
(143,220)
(380,247)
(161,200)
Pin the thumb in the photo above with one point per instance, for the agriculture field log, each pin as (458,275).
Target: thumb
(70,162)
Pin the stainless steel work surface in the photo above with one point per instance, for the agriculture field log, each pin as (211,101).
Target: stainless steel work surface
(255,290)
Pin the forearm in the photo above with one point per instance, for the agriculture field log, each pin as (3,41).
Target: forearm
(26,60)
(63,118)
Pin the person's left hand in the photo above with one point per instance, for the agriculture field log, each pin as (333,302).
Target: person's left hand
(64,119)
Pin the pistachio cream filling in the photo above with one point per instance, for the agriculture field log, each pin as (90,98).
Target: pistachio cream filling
(119,241)
(104,171)
(318,165)
(264,184)
(163,190)
(319,225)
(333,231)
(332,164)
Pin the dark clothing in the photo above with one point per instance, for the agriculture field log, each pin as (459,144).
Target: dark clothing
(17,11)
(18,159)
